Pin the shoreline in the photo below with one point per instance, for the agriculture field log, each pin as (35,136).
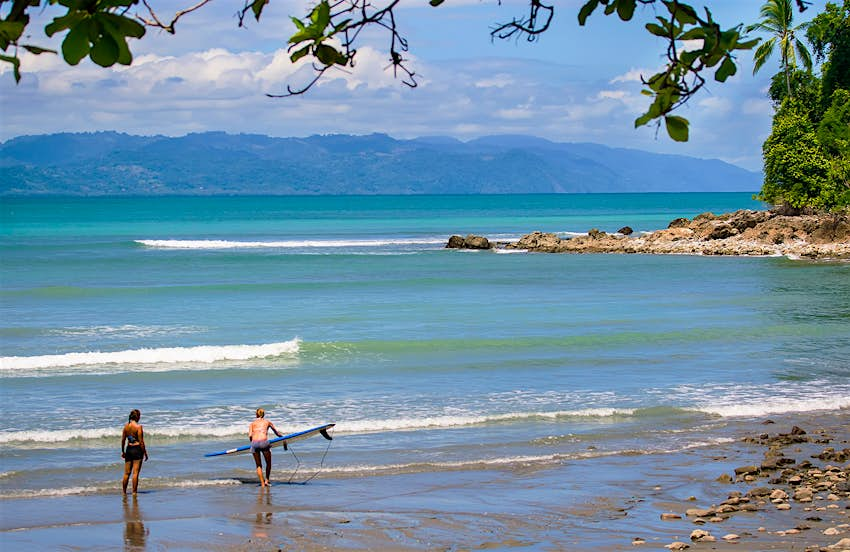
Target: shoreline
(741,233)
(622,502)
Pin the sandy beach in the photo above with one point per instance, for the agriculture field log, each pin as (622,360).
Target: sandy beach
(615,503)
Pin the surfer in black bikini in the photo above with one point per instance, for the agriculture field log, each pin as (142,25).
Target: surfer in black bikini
(133,450)
(258,433)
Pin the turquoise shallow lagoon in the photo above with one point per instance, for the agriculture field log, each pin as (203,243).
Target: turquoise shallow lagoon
(349,310)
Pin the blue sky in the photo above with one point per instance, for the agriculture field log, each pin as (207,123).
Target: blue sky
(576,84)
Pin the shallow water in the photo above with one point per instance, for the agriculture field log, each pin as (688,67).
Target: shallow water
(349,310)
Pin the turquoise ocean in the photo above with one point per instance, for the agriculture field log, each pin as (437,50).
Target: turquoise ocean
(349,310)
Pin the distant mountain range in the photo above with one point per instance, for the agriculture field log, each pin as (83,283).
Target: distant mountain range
(110,163)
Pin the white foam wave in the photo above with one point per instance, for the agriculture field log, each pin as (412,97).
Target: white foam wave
(438,422)
(39,493)
(46,438)
(285,244)
(111,487)
(205,354)
(512,461)
(783,406)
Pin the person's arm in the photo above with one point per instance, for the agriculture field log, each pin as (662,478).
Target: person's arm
(273,428)
(123,440)
(142,441)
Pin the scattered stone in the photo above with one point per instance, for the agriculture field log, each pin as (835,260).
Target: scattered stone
(725,478)
(731,537)
(626,231)
(698,535)
(677,545)
(832,531)
(778,494)
(637,541)
(803,495)
(783,506)
(697,512)
(670,516)
(747,470)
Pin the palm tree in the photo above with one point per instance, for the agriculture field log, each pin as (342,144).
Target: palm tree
(777,16)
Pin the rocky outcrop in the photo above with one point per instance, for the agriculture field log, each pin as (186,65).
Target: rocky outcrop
(469,242)
(742,232)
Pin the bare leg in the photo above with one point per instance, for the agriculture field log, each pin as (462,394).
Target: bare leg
(128,467)
(137,467)
(259,464)
(268,455)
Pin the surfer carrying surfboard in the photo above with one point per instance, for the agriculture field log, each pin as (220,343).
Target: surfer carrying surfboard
(258,433)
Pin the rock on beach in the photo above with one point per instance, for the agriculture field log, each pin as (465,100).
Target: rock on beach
(743,232)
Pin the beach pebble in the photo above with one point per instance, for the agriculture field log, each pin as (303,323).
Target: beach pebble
(677,545)
(761,529)
(731,537)
(638,541)
(698,535)
(778,494)
(803,495)
(698,512)
(669,516)
(784,506)
(832,531)
(716,519)
(725,478)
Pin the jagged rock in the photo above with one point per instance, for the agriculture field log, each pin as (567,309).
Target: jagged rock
(747,470)
(455,242)
(680,222)
(469,242)
(626,231)
(698,535)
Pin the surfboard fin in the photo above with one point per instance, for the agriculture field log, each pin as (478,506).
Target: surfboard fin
(324,434)
(285,446)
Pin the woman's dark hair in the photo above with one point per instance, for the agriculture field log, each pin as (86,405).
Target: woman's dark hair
(135,415)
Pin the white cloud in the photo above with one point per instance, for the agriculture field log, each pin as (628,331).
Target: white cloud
(632,75)
(716,104)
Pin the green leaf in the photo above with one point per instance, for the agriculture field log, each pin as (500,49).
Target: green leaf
(329,55)
(643,119)
(726,70)
(76,44)
(586,10)
(626,9)
(105,51)
(686,15)
(646,92)
(16,65)
(749,45)
(124,25)
(298,54)
(656,29)
(37,49)
(436,3)
(298,24)
(677,127)
(321,15)
(65,22)
(257,7)
(12,29)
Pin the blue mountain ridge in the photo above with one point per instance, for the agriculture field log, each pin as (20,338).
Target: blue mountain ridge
(209,163)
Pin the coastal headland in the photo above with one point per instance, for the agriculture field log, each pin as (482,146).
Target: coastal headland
(743,232)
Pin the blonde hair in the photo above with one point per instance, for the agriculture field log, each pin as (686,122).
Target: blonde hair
(261,413)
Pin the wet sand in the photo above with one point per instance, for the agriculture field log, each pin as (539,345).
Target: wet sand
(594,504)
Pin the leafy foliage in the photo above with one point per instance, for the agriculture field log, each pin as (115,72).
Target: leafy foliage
(97,29)
(682,76)
(795,164)
(829,34)
(777,19)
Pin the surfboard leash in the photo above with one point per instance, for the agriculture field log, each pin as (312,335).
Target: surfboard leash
(321,463)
